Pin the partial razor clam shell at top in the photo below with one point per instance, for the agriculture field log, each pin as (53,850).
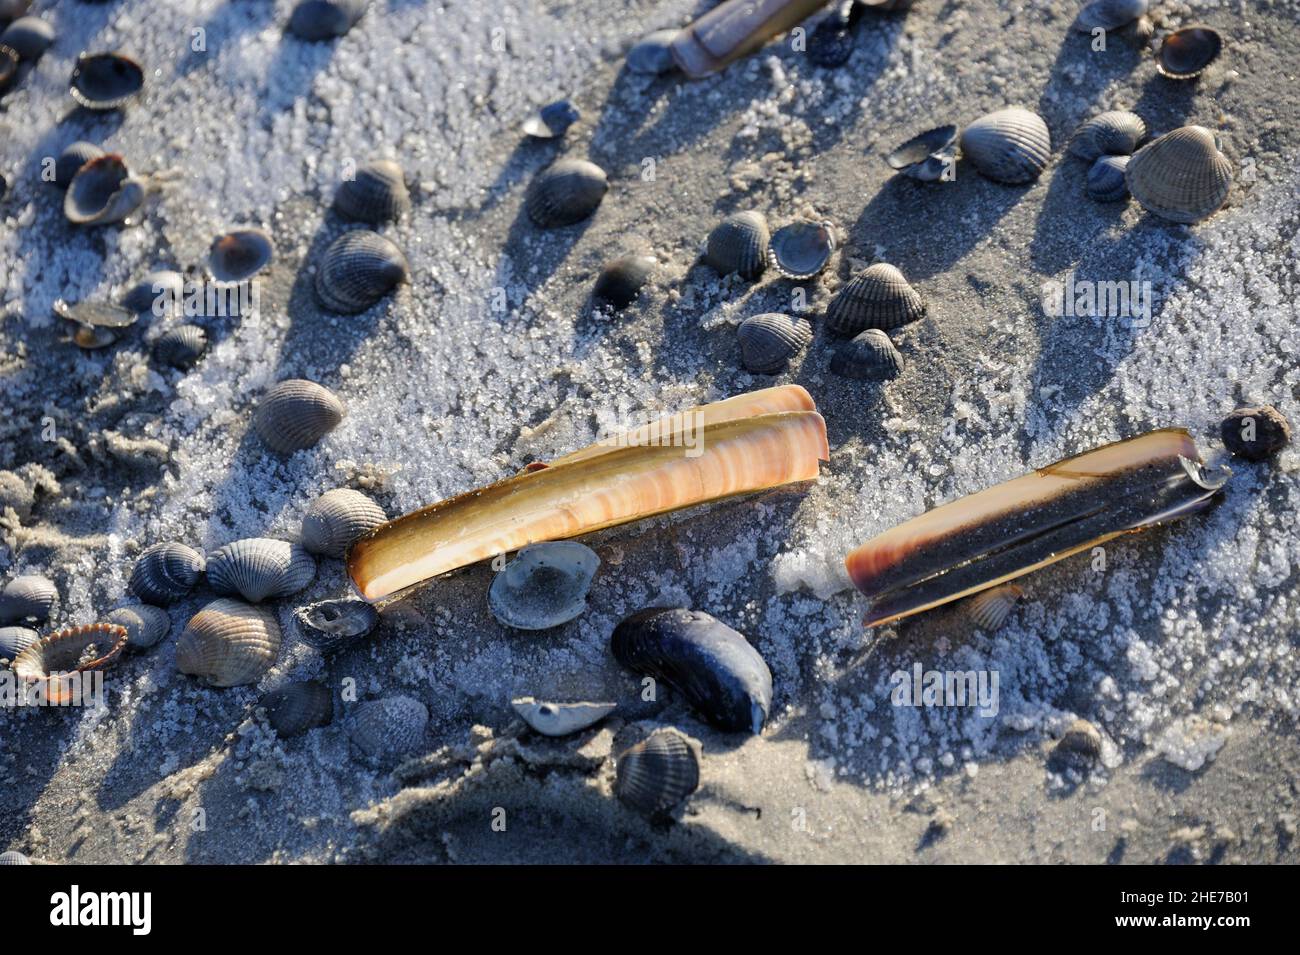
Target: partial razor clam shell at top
(566,500)
(1010,529)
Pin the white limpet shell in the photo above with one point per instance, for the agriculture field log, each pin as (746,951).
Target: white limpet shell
(560,719)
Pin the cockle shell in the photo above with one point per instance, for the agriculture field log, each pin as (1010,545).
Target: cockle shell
(1106,180)
(14,640)
(990,608)
(357,270)
(239,255)
(926,156)
(228,643)
(258,568)
(14,857)
(713,666)
(868,356)
(295,708)
(181,346)
(337,518)
(294,414)
(102,192)
(552,120)
(621,280)
(657,774)
(57,659)
(877,297)
(560,719)
(74,156)
(27,599)
(1116,132)
(739,244)
(165,573)
(565,192)
(325,19)
(390,726)
(801,249)
(1183,55)
(1255,433)
(145,625)
(1181,176)
(105,80)
(544,586)
(375,194)
(651,56)
(770,340)
(333,625)
(159,293)
(1109,14)
(1010,145)
(1079,747)
(29,37)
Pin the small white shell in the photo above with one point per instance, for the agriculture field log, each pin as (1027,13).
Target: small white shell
(1009,145)
(145,625)
(1180,176)
(390,726)
(294,414)
(544,586)
(27,599)
(105,80)
(228,643)
(258,568)
(181,346)
(337,518)
(560,719)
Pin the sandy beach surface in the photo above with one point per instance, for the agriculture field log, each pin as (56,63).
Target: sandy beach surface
(1182,651)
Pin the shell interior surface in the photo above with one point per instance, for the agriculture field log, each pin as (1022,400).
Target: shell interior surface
(376,194)
(868,356)
(325,19)
(357,270)
(14,640)
(74,156)
(1010,145)
(877,297)
(145,625)
(165,573)
(29,37)
(990,608)
(713,666)
(105,80)
(770,340)
(295,414)
(228,643)
(102,192)
(238,256)
(926,156)
(621,280)
(332,625)
(657,774)
(295,708)
(96,314)
(56,661)
(258,568)
(565,193)
(801,249)
(1106,180)
(181,346)
(1116,132)
(1184,54)
(560,719)
(739,244)
(337,518)
(1109,14)
(27,599)
(544,586)
(389,726)
(1181,176)
(552,120)
(651,56)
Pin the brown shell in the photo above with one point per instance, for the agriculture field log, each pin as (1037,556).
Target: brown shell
(56,659)
(228,643)
(1181,176)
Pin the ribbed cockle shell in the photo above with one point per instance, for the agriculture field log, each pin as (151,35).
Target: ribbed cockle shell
(228,643)
(1181,176)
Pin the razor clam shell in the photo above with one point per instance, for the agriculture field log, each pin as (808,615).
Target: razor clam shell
(357,270)
(376,194)
(770,340)
(337,518)
(739,244)
(1106,180)
(608,488)
(801,249)
(1116,132)
(990,608)
(657,774)
(295,708)
(1009,145)
(388,727)
(74,156)
(544,586)
(258,568)
(239,255)
(228,643)
(181,347)
(57,658)
(1183,54)
(621,280)
(295,414)
(713,666)
(14,640)
(650,56)
(325,19)
(868,356)
(1181,176)
(877,297)
(333,625)
(1013,528)
(564,193)
(102,192)
(732,30)
(1272,432)
(560,719)
(165,573)
(103,81)
(1109,14)
(29,37)
(145,625)
(27,599)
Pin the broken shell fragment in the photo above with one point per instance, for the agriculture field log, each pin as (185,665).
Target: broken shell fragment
(1116,132)
(376,194)
(389,727)
(739,244)
(610,483)
(868,356)
(56,661)
(181,347)
(357,270)
(560,719)
(165,573)
(926,156)
(228,643)
(552,121)
(544,586)
(565,193)
(621,280)
(297,707)
(238,256)
(1255,433)
(1016,527)
(651,56)
(877,297)
(990,608)
(14,640)
(337,518)
(70,161)
(801,249)
(325,19)
(295,414)
(1010,145)
(713,666)
(1180,176)
(657,774)
(333,625)
(145,625)
(1109,14)
(1184,54)
(102,192)
(259,568)
(29,37)
(769,341)
(27,599)
(1106,180)
(105,80)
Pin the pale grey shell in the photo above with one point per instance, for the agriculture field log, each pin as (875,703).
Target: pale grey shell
(565,192)
(105,80)
(657,774)
(877,297)
(770,340)
(357,270)
(14,640)
(228,643)
(990,608)
(621,280)
(388,727)
(96,314)
(239,255)
(560,719)
(1184,54)
(1079,747)
(14,857)
(181,346)
(333,625)
(337,518)
(259,568)
(145,625)
(1010,145)
(27,599)
(29,37)
(544,586)
(1180,176)
(158,293)
(1113,133)
(325,19)
(102,192)
(1106,182)
(376,194)
(295,414)
(801,249)
(651,55)
(295,708)
(869,356)
(74,156)
(1109,14)
(165,573)
(739,244)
